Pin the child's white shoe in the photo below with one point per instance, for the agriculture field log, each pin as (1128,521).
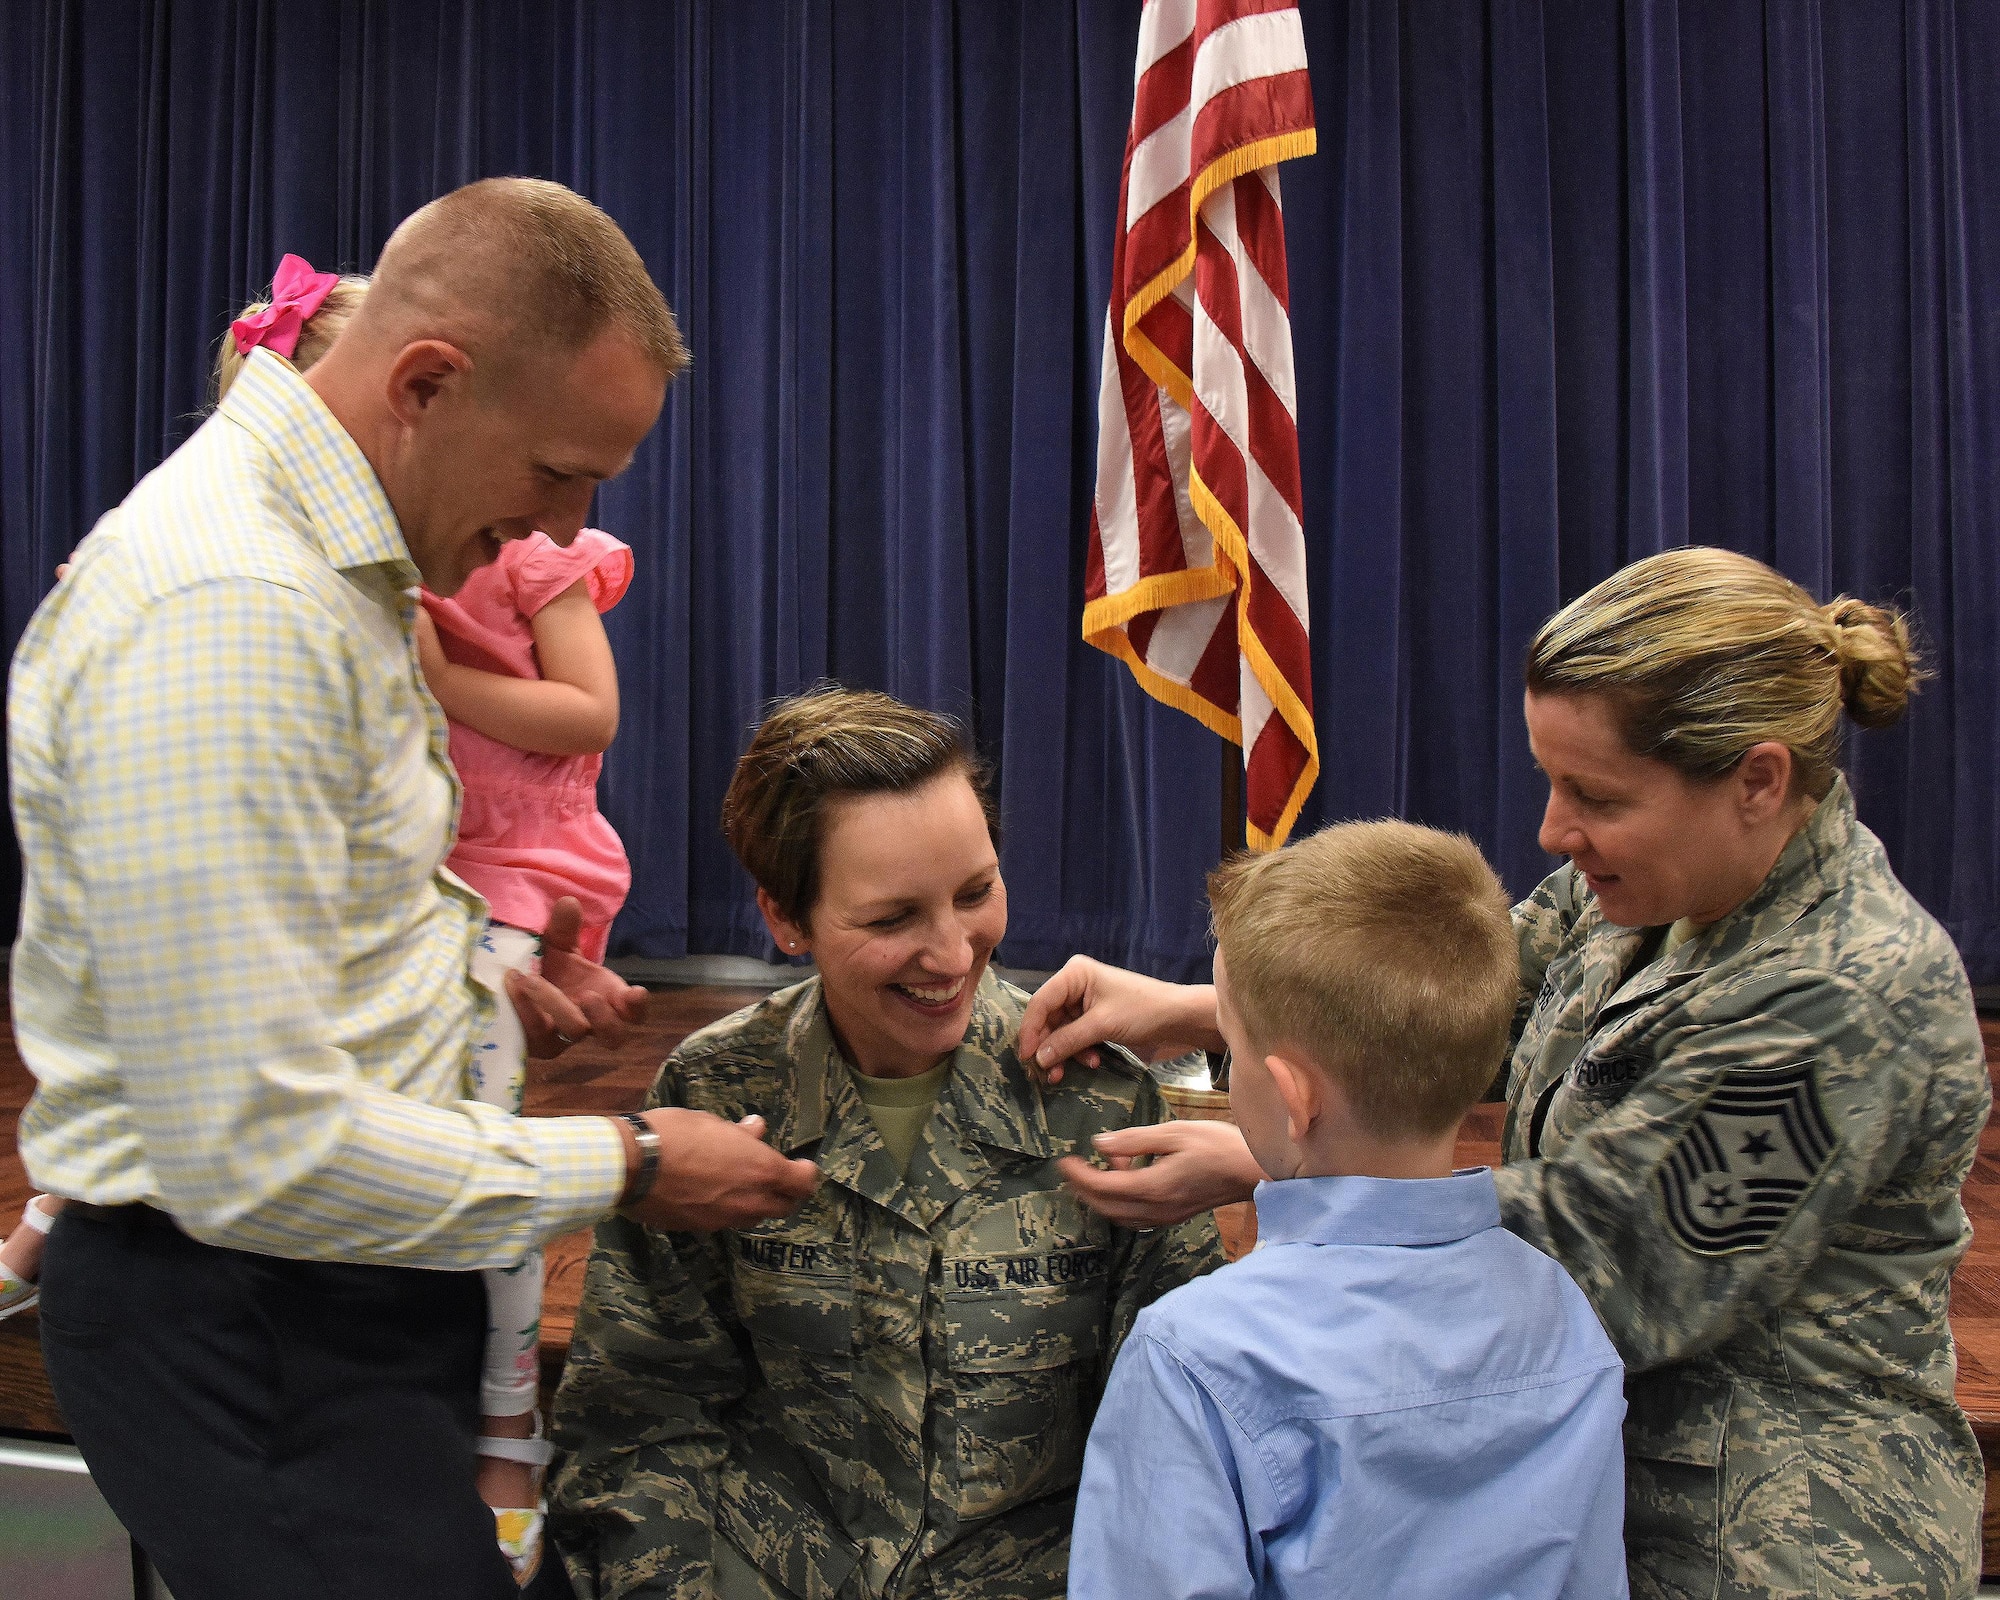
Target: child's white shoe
(16,1292)
(519,1529)
(520,1534)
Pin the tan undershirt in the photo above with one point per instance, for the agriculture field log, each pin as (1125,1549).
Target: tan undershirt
(1655,950)
(1678,935)
(901,1107)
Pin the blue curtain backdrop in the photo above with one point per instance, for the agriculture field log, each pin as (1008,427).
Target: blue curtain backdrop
(1573,280)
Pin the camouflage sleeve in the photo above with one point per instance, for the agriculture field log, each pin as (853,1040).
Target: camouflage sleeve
(1541,923)
(1146,1265)
(652,1364)
(1702,1196)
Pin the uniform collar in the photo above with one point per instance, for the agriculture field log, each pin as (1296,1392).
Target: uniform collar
(346,508)
(1800,879)
(988,1102)
(1400,1211)
(1000,1105)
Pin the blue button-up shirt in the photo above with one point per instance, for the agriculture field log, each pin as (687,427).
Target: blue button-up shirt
(1392,1396)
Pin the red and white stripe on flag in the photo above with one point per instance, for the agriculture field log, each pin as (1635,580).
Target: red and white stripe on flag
(1196,576)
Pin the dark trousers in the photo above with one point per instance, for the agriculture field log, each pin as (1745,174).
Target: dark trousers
(271,1429)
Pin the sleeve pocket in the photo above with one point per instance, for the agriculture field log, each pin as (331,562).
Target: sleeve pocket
(1674,1437)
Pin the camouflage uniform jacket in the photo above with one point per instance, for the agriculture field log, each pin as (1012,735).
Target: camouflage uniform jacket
(885,1394)
(1748,1153)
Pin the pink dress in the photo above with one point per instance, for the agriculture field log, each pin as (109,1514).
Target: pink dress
(530,831)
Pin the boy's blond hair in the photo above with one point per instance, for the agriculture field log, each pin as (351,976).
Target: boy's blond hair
(1384,954)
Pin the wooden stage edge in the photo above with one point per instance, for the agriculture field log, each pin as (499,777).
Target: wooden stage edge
(590,1079)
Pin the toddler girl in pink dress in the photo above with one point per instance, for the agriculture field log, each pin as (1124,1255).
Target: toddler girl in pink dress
(519,661)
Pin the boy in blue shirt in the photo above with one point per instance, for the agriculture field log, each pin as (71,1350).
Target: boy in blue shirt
(1392,1395)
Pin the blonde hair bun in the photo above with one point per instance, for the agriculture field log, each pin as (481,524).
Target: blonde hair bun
(1878,668)
(1704,653)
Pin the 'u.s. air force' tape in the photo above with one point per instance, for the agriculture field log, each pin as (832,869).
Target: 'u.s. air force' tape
(1033,1269)
(1746,1161)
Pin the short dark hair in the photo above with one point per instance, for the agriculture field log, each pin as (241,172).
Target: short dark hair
(818,748)
(522,258)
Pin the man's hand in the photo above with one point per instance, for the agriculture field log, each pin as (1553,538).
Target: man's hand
(1089,1003)
(1196,1167)
(573,997)
(716,1174)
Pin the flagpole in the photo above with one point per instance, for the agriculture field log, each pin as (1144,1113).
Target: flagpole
(1233,837)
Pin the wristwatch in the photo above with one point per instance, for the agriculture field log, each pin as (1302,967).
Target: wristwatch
(642,1181)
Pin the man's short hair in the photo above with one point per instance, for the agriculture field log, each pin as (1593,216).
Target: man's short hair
(510,265)
(1384,954)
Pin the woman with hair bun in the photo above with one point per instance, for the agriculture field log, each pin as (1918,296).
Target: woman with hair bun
(1747,1084)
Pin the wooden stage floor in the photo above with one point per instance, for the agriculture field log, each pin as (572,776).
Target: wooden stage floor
(592,1079)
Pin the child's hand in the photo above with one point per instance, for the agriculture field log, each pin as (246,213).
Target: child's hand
(430,654)
(574,997)
(1195,1167)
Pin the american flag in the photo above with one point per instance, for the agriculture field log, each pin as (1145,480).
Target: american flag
(1196,576)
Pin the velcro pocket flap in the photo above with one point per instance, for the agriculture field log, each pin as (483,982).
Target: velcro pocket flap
(800,1295)
(1677,1416)
(1024,1328)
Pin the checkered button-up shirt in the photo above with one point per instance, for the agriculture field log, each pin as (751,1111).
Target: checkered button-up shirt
(241,980)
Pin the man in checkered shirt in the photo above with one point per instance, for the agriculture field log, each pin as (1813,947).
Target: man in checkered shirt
(242,974)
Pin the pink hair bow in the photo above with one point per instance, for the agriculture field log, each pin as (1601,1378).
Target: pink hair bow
(296,293)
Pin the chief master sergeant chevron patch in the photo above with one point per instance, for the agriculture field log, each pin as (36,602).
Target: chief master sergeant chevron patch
(1746,1161)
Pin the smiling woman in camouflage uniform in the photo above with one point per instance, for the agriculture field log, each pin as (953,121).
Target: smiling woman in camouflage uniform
(885,1394)
(1747,1086)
